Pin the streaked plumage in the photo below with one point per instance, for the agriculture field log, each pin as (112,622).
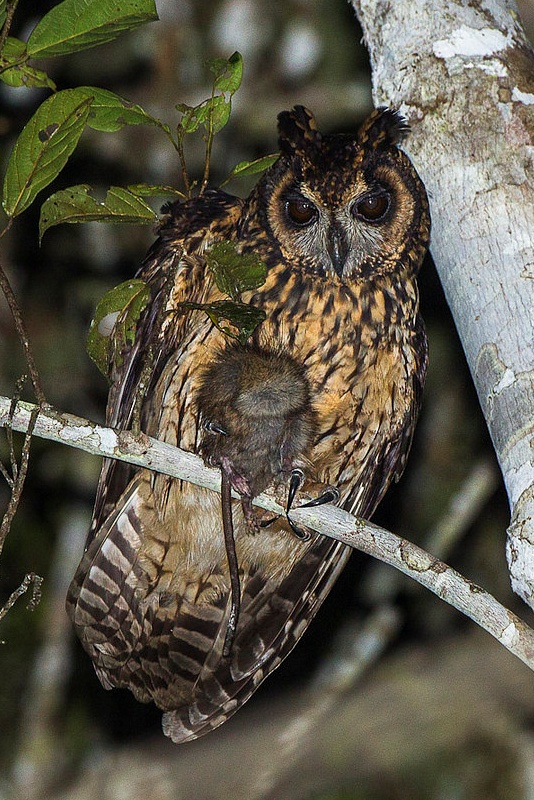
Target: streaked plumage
(342,224)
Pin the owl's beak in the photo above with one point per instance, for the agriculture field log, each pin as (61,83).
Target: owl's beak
(338,248)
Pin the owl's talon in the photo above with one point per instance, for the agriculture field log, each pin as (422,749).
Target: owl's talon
(299,532)
(295,482)
(264,523)
(330,495)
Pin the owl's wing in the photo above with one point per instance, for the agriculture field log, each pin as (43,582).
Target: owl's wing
(185,230)
(168,648)
(389,458)
(272,620)
(115,475)
(137,638)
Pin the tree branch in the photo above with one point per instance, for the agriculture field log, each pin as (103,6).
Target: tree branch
(20,327)
(462,74)
(143,451)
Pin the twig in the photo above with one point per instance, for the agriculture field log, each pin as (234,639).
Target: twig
(467,597)
(23,336)
(19,472)
(11,8)
(179,145)
(12,479)
(31,579)
(464,507)
(209,143)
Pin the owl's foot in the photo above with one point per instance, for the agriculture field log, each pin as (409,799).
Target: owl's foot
(328,494)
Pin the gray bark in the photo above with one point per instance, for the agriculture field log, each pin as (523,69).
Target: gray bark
(463,74)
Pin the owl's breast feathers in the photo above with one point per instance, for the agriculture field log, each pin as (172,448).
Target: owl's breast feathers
(365,351)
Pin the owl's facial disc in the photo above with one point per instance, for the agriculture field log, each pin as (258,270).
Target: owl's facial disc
(335,238)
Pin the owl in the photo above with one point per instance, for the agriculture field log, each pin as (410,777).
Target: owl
(341,222)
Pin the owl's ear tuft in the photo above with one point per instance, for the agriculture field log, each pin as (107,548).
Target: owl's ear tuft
(383,128)
(297,131)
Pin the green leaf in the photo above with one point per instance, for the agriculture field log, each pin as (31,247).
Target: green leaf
(235,272)
(109,112)
(251,167)
(151,190)
(194,116)
(14,69)
(217,108)
(14,49)
(229,73)
(75,25)
(3,12)
(221,109)
(114,324)
(43,148)
(243,317)
(214,113)
(76,204)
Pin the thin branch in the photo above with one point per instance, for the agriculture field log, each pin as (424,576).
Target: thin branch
(31,579)
(5,286)
(143,451)
(209,143)
(19,472)
(463,508)
(179,146)
(11,8)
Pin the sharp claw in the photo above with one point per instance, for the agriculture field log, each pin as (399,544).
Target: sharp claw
(330,495)
(264,523)
(299,532)
(295,482)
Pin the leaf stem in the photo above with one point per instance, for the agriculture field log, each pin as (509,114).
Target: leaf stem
(209,145)
(179,146)
(23,335)
(11,8)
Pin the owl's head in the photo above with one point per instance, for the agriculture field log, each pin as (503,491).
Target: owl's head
(344,206)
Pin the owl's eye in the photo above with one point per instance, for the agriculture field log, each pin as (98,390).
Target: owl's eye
(373,207)
(301,211)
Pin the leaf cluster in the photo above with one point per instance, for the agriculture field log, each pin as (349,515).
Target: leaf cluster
(53,132)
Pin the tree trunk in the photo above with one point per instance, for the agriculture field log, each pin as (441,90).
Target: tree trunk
(463,74)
